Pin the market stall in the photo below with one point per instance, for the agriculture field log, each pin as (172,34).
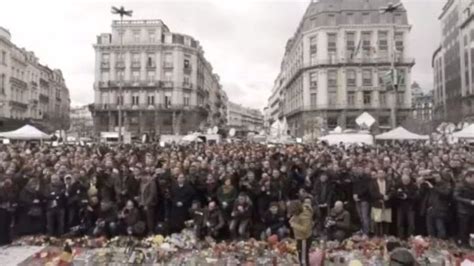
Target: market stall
(26,132)
(400,133)
(466,133)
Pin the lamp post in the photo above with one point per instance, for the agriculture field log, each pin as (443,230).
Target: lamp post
(391,8)
(121,12)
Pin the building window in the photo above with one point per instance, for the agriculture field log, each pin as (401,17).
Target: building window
(2,84)
(120,75)
(151,100)
(169,58)
(332,78)
(120,100)
(135,75)
(136,35)
(401,77)
(331,19)
(135,58)
(365,18)
(367,77)
(399,41)
(400,98)
(383,98)
(383,42)
(313,48)
(350,43)
(398,18)
(332,95)
(135,100)
(105,76)
(4,58)
(350,18)
(187,64)
(350,98)
(167,101)
(186,100)
(105,57)
(381,77)
(367,98)
(332,48)
(150,75)
(351,78)
(367,43)
(151,36)
(168,75)
(186,79)
(313,99)
(150,62)
(313,80)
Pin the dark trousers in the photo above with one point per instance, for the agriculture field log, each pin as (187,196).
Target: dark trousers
(303,251)
(465,223)
(150,218)
(405,219)
(436,225)
(5,222)
(363,210)
(55,219)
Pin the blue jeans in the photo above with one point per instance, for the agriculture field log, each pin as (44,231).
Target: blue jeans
(363,210)
(435,225)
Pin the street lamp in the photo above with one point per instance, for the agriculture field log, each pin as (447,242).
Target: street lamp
(121,12)
(391,8)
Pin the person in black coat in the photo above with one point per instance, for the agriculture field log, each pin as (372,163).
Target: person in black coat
(436,203)
(406,194)
(107,218)
(182,195)
(361,196)
(8,203)
(55,206)
(74,194)
(381,194)
(464,198)
(323,192)
(31,214)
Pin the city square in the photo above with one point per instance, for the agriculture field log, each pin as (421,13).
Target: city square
(266,132)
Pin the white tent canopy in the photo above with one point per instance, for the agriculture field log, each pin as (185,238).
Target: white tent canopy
(26,132)
(348,138)
(400,133)
(466,133)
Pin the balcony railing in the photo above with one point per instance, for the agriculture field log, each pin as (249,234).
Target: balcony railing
(131,107)
(187,85)
(167,84)
(120,64)
(105,65)
(136,65)
(168,64)
(151,66)
(187,69)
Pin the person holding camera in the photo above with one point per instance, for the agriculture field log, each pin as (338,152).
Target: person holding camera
(213,222)
(338,223)
(274,222)
(406,193)
(130,221)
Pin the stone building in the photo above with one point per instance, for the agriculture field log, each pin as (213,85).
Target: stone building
(168,87)
(334,66)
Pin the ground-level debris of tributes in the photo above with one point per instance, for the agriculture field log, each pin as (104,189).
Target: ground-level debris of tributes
(185,249)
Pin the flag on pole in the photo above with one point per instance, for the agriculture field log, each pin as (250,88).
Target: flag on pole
(356,51)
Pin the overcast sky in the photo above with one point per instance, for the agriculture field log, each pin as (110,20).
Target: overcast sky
(243,39)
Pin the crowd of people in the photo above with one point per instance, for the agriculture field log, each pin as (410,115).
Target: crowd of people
(242,190)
